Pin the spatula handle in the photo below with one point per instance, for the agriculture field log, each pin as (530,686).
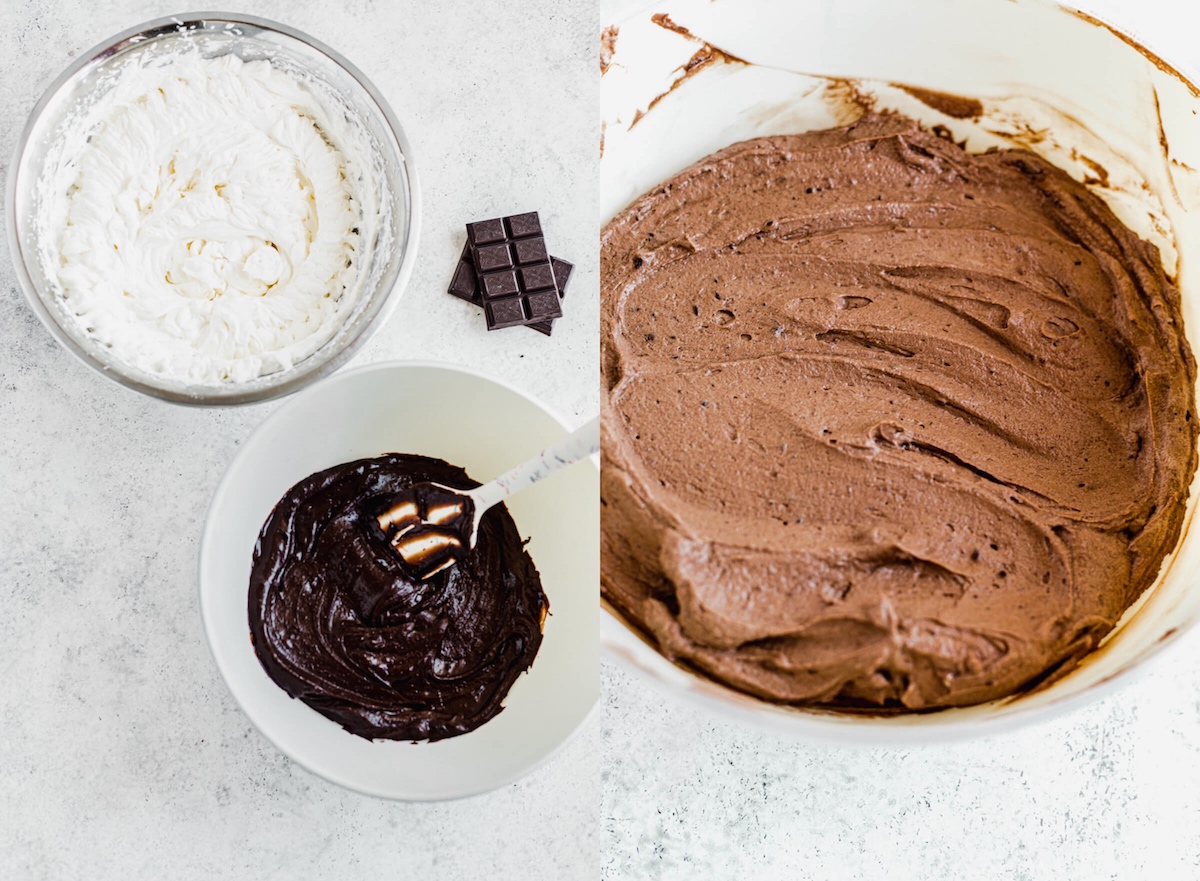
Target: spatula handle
(582,442)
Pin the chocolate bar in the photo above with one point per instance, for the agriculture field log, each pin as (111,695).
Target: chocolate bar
(513,271)
(465,284)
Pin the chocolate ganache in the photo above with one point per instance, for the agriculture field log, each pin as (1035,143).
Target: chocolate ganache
(338,622)
(887,426)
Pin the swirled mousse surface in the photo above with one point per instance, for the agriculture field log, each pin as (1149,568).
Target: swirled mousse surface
(888,426)
(338,623)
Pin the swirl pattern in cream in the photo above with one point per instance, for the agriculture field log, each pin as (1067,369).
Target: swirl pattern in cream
(208,229)
(888,426)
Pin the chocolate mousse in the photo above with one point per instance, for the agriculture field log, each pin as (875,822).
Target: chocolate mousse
(888,426)
(339,622)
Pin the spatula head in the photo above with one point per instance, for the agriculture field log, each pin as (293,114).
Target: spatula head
(430,526)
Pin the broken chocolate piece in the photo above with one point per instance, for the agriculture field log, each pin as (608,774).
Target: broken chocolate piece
(562,275)
(515,278)
(465,284)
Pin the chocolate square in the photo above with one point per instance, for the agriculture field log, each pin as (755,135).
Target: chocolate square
(508,312)
(538,278)
(500,284)
(484,231)
(543,305)
(531,250)
(562,274)
(522,225)
(491,257)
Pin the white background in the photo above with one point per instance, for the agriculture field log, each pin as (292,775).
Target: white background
(122,756)
(1110,792)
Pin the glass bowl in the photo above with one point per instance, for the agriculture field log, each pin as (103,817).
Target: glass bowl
(390,180)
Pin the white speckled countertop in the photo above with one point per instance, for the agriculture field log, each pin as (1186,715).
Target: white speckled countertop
(1109,792)
(123,755)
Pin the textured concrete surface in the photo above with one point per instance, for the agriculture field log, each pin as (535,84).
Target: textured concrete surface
(1109,792)
(123,756)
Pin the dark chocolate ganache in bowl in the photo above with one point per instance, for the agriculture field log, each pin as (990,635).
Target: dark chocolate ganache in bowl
(337,621)
(888,426)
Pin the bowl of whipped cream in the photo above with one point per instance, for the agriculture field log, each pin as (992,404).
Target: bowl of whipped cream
(213,210)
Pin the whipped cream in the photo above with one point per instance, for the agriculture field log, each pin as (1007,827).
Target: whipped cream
(208,229)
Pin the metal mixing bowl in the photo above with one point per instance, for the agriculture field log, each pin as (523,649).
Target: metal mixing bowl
(387,259)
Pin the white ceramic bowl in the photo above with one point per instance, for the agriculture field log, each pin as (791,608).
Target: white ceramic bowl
(378,146)
(1051,80)
(468,420)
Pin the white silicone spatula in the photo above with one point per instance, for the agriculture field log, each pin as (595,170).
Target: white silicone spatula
(431,526)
